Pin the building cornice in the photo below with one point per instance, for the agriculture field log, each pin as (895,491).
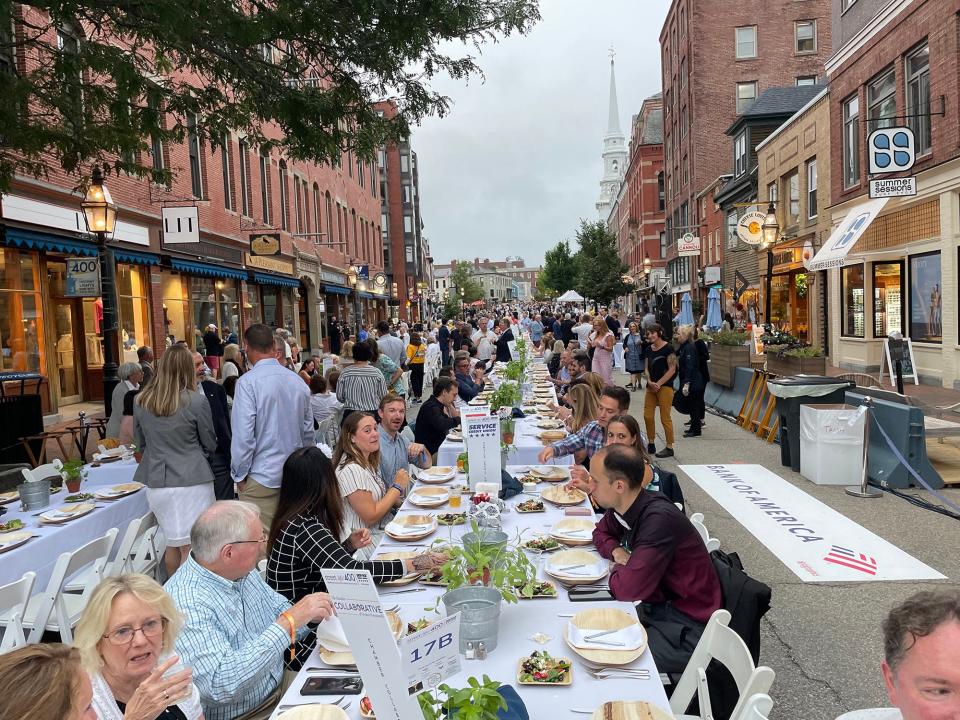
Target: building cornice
(867,33)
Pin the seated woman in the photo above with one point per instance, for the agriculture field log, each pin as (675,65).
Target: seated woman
(309,520)
(369,499)
(584,404)
(44,681)
(125,638)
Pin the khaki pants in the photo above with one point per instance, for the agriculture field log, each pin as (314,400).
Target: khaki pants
(265,709)
(264,498)
(664,400)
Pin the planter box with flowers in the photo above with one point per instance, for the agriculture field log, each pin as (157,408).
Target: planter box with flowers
(728,351)
(797,361)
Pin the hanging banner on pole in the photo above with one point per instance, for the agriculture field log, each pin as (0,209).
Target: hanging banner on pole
(688,245)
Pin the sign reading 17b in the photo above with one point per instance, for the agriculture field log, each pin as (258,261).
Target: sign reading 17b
(891,150)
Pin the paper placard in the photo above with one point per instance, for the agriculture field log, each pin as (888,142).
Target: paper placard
(431,655)
(512,344)
(378,659)
(482,437)
(327,365)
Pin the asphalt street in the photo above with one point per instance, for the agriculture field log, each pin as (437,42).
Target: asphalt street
(823,640)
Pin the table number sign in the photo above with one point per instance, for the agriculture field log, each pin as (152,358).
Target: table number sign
(482,437)
(378,659)
(431,655)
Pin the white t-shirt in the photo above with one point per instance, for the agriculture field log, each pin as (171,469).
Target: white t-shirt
(353,478)
(583,332)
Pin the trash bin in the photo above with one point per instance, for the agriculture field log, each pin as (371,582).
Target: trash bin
(831,444)
(21,414)
(791,393)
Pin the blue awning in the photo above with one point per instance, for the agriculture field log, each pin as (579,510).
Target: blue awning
(199,268)
(266,279)
(366,295)
(336,290)
(136,258)
(44,241)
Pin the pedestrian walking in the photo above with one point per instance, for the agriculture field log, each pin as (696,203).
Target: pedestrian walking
(416,358)
(602,343)
(634,347)
(691,379)
(661,370)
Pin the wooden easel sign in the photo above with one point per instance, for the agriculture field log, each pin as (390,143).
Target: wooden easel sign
(904,348)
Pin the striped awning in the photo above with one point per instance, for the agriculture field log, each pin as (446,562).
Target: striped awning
(199,268)
(44,241)
(267,279)
(336,290)
(135,258)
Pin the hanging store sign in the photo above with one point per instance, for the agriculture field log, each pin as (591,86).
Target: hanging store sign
(891,150)
(83,277)
(688,245)
(264,244)
(711,275)
(750,227)
(841,242)
(894,187)
(740,285)
(181,225)
(268,263)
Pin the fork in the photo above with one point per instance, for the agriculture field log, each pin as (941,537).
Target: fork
(332,702)
(617,675)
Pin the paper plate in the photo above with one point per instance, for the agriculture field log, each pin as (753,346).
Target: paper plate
(118,491)
(428,497)
(437,474)
(66,513)
(314,712)
(566,682)
(11,540)
(565,558)
(9,497)
(561,496)
(584,537)
(428,523)
(606,619)
(400,555)
(550,473)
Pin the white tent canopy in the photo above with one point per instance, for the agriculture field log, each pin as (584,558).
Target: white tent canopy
(570,296)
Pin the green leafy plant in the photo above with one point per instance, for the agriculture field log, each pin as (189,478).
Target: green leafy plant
(477,701)
(808,351)
(521,346)
(729,338)
(514,369)
(503,567)
(507,395)
(71,469)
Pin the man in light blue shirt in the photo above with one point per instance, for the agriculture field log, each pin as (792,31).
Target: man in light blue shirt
(236,628)
(536,331)
(396,452)
(271,418)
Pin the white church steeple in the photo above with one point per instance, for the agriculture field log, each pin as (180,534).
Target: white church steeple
(614,152)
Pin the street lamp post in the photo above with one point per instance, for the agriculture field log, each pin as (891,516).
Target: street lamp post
(100,215)
(771,232)
(463,312)
(353,274)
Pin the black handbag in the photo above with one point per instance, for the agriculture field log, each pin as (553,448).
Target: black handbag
(681,403)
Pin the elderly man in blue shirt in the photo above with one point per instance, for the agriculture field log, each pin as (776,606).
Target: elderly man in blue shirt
(470,383)
(396,452)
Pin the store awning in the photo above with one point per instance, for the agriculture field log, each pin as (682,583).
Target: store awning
(267,279)
(135,258)
(199,268)
(336,290)
(366,295)
(841,242)
(53,243)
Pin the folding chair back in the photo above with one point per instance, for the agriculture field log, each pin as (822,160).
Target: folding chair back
(697,521)
(40,472)
(13,604)
(757,707)
(722,644)
(137,551)
(262,568)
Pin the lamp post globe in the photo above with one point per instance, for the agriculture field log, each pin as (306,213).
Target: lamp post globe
(771,232)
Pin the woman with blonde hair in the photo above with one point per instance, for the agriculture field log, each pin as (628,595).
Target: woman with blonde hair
(602,342)
(369,500)
(233,364)
(173,427)
(125,638)
(584,403)
(40,682)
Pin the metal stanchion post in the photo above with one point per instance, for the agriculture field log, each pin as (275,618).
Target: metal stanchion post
(864,490)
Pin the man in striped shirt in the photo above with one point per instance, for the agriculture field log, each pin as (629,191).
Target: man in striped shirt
(361,385)
(614,400)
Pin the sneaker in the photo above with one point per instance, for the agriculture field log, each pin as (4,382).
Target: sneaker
(665,453)
(629,386)
(692,433)
(651,448)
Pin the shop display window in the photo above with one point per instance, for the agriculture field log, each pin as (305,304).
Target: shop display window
(133,298)
(887,298)
(852,297)
(926,299)
(253,310)
(176,307)
(21,314)
(214,302)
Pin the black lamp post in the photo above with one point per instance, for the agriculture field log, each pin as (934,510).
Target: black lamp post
(771,232)
(100,214)
(463,312)
(353,274)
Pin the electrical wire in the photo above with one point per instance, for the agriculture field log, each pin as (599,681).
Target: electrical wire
(919,502)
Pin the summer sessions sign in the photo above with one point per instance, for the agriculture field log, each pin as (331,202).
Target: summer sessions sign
(812,539)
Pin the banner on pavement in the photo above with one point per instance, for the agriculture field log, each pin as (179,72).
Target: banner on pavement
(812,539)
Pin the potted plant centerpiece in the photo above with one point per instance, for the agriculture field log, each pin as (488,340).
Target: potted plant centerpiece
(477,701)
(505,396)
(72,473)
(728,351)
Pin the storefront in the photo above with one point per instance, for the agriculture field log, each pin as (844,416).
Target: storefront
(196,295)
(271,294)
(790,291)
(309,303)
(336,300)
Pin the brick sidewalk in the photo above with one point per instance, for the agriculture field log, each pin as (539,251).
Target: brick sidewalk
(931,396)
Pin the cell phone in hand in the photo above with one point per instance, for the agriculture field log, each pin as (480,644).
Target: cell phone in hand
(337,685)
(586,595)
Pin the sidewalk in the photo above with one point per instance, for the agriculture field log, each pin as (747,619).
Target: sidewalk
(930,395)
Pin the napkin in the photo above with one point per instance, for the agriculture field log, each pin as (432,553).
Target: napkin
(330,634)
(404,530)
(577,534)
(590,571)
(631,637)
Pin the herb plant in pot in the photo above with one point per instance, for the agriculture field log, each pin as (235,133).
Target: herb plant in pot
(487,700)
(72,473)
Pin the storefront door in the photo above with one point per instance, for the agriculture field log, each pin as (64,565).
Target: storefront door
(67,314)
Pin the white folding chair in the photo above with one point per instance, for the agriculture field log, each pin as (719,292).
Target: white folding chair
(40,472)
(13,601)
(697,521)
(58,611)
(722,644)
(872,714)
(407,434)
(757,707)
(79,582)
(262,568)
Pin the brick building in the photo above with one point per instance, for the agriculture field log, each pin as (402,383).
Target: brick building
(716,58)
(510,279)
(897,58)
(312,222)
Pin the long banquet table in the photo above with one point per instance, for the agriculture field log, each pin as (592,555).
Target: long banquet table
(40,553)
(518,622)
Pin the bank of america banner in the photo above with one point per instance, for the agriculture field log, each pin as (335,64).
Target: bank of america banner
(812,539)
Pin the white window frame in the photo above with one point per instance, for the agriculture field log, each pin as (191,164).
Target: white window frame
(806,80)
(920,124)
(812,208)
(851,141)
(752,30)
(748,102)
(740,154)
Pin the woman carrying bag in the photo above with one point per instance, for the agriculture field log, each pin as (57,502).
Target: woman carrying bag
(691,381)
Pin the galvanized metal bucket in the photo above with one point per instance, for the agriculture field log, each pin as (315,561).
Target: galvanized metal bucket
(35,494)
(479,609)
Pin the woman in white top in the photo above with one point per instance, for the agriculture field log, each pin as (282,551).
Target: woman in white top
(232,364)
(125,638)
(357,462)
(431,365)
(583,331)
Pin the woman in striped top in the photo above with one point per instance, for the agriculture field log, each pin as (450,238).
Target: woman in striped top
(361,385)
(309,519)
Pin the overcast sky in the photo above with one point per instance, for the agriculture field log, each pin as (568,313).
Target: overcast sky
(516,163)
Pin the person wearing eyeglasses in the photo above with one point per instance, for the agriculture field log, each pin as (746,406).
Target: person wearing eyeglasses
(125,638)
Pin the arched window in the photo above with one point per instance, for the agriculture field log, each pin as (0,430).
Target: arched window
(356,243)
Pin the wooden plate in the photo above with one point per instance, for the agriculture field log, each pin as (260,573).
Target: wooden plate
(428,497)
(14,539)
(550,473)
(437,475)
(9,497)
(118,491)
(565,558)
(565,683)
(406,520)
(567,524)
(314,712)
(630,710)
(543,509)
(71,511)
(606,619)
(561,496)
(400,555)
(552,436)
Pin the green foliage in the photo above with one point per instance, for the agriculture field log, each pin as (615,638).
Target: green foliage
(507,395)
(729,337)
(808,351)
(477,701)
(599,268)
(462,277)
(309,68)
(514,370)
(501,567)
(559,272)
(72,468)
(451,309)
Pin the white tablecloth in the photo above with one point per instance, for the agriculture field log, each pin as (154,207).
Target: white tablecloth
(40,553)
(518,622)
(528,446)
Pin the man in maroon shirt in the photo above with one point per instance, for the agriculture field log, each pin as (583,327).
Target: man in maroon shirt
(659,558)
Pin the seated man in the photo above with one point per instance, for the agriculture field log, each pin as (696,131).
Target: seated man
(614,400)
(469,382)
(659,558)
(438,415)
(236,628)
(579,365)
(396,452)
(921,666)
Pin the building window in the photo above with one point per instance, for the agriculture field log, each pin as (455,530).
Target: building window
(851,282)
(404,162)
(683,121)
(683,73)
(156,143)
(298,188)
(193,148)
(917,72)
(746,40)
(851,142)
(811,189)
(926,300)
(328,201)
(284,202)
(792,185)
(22,322)
(805,36)
(746,94)
(226,169)
(740,154)
(660,196)
(846,5)
(882,100)
(407,195)
(732,229)
(663,245)
(245,179)
(265,185)
(887,298)
(805,80)
(408,223)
